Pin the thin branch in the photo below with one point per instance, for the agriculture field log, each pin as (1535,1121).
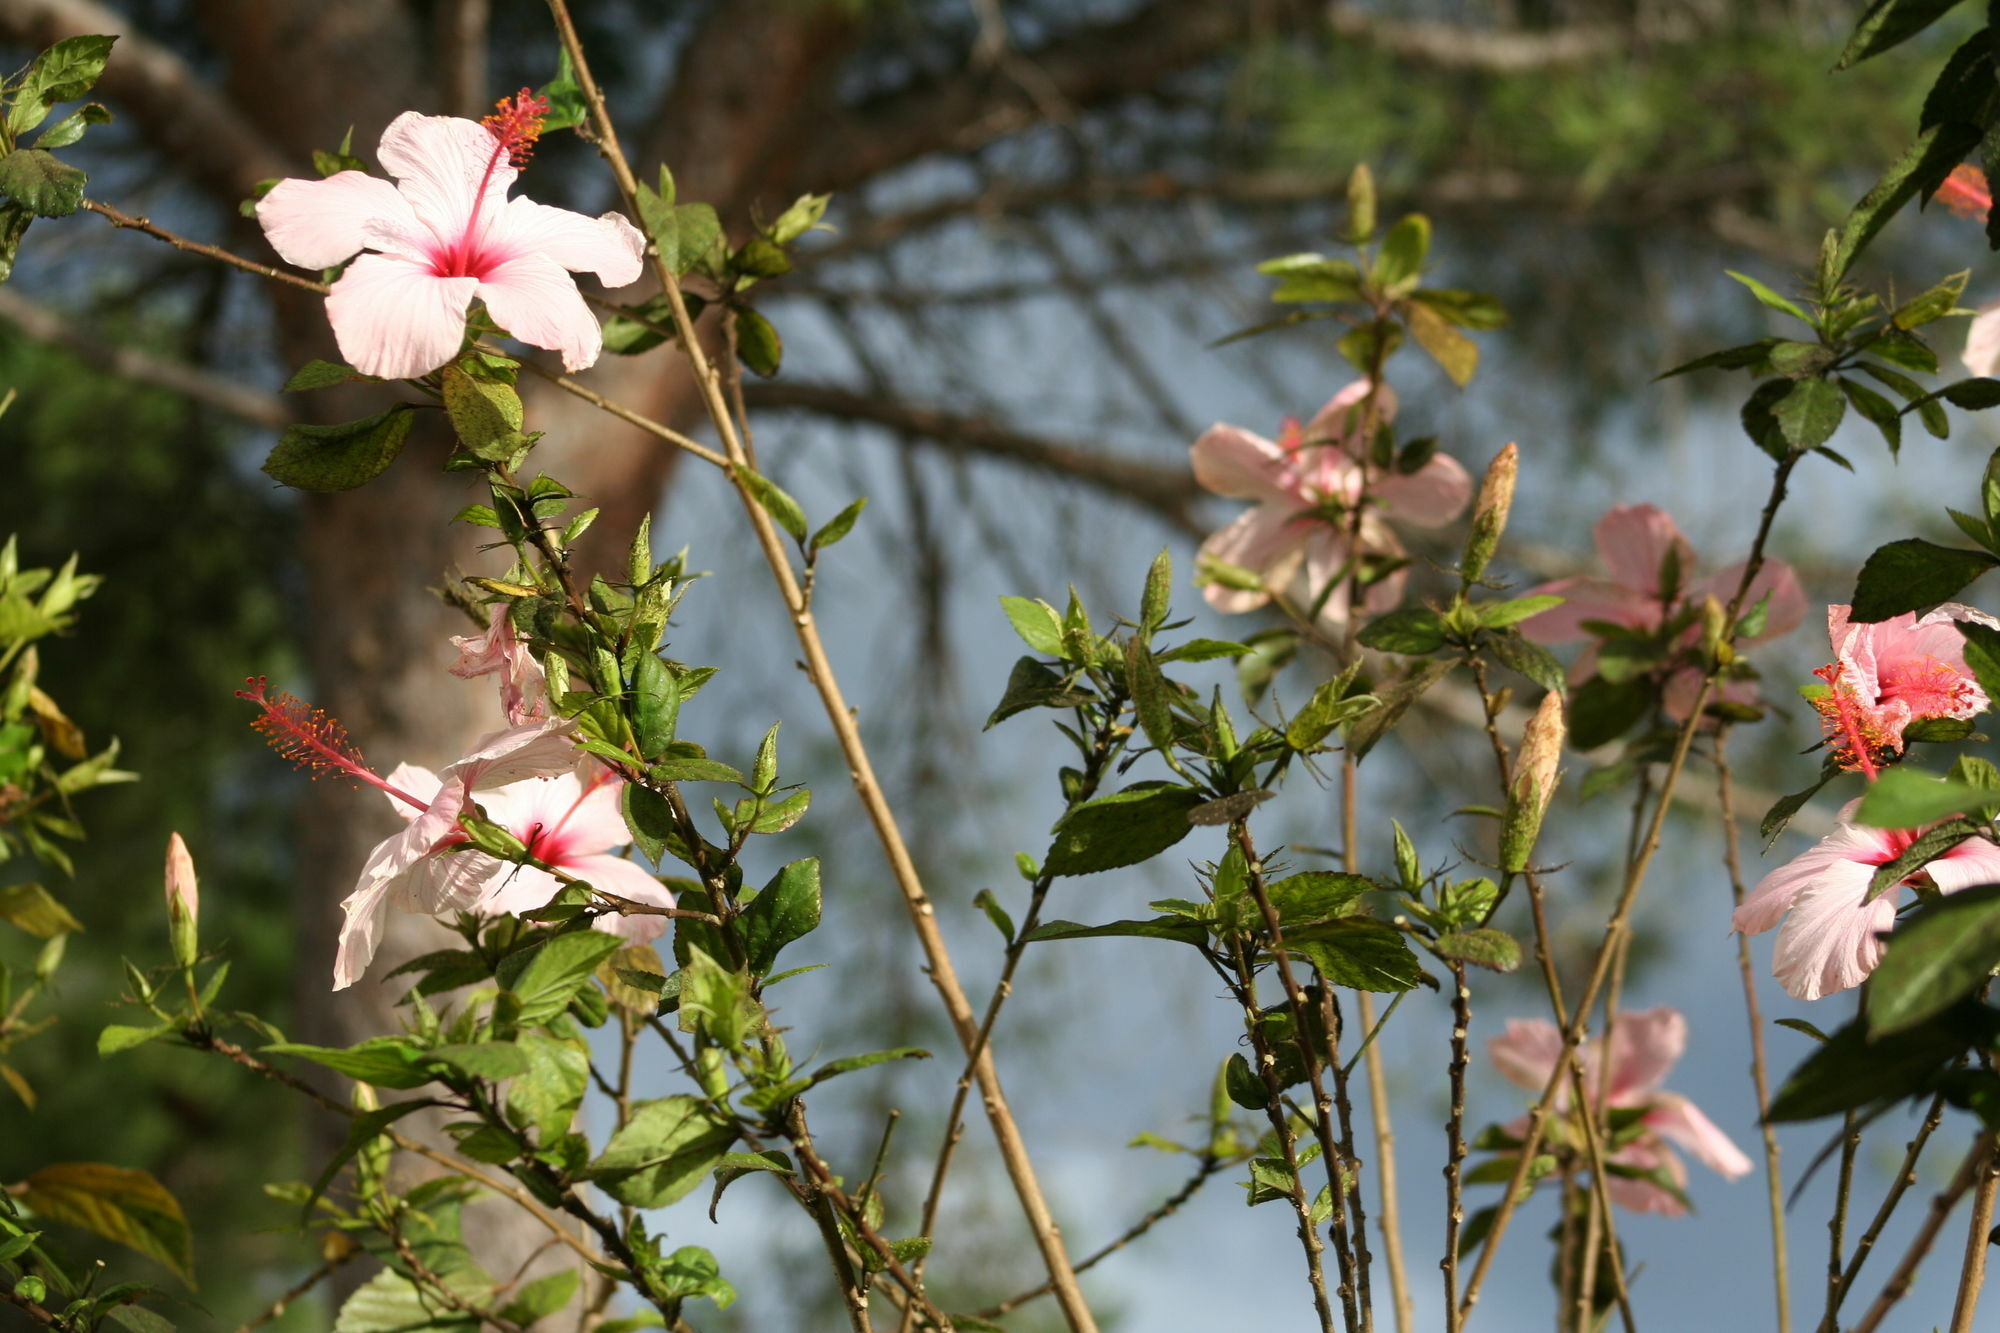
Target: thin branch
(1972,1275)
(1906,1176)
(311,1280)
(124,220)
(1977,1162)
(1168,490)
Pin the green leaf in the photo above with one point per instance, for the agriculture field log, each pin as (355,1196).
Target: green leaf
(849,1063)
(1456,354)
(318,374)
(1911,574)
(1499,615)
(735,1165)
(771,497)
(1877,410)
(698,239)
(663,1152)
(1179,929)
(838,526)
(1982,654)
(1889,23)
(123,1205)
(362,1131)
(1151,700)
(1155,601)
(1032,685)
(1313,896)
(1413,632)
(649,819)
(758,346)
(1468,310)
(1849,1071)
(1810,413)
(391,1303)
(1203,650)
(647,324)
(1360,953)
(120,1037)
(546,1096)
(543,1296)
(339,457)
(1935,959)
(1934,304)
(35,910)
(62,73)
(1036,622)
(1323,712)
(1768,297)
(1365,732)
(545,977)
(1926,161)
(788,909)
(1785,807)
(71,127)
(385,1062)
(1905,798)
(486,415)
(1729,358)
(1518,653)
(36,180)
(493,1060)
(567,109)
(1486,947)
(1929,846)
(1403,253)
(1121,829)
(692,769)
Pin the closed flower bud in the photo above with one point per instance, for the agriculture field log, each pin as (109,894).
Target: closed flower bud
(183,900)
(1489,513)
(1535,774)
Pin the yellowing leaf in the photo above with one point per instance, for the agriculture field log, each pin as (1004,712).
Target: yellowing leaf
(30,907)
(119,1203)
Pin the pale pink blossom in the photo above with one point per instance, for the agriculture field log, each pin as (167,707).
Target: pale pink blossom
(523,684)
(1635,543)
(1306,485)
(416,870)
(445,234)
(1644,1046)
(1832,936)
(1891,673)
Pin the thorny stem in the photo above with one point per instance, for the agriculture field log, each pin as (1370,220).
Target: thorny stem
(1977,1162)
(1208,1167)
(1243,985)
(1332,1157)
(1760,1077)
(923,917)
(1906,1176)
(1615,927)
(1972,1275)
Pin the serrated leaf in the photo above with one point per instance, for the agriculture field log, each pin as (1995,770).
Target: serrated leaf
(1121,829)
(1911,574)
(339,457)
(62,73)
(35,179)
(787,909)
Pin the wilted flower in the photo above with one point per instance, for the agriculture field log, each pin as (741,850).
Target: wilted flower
(1644,1046)
(1891,673)
(1832,935)
(443,235)
(1299,538)
(523,685)
(1650,564)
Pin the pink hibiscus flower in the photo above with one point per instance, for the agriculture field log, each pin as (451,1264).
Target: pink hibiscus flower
(1306,484)
(1634,542)
(1644,1046)
(523,684)
(416,870)
(445,234)
(1832,935)
(1966,192)
(1886,675)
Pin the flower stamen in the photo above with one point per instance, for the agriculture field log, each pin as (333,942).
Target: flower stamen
(313,739)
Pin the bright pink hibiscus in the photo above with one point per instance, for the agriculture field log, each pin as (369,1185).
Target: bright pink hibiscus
(1891,673)
(1306,484)
(523,684)
(416,870)
(1832,935)
(1634,542)
(1644,1046)
(445,234)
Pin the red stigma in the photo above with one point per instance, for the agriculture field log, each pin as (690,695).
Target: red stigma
(1966,193)
(303,734)
(517,122)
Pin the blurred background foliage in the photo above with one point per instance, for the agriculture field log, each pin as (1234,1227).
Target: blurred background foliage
(1005,316)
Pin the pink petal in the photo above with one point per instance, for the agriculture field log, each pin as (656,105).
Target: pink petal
(532,750)
(1982,341)
(1587,599)
(1435,493)
(1526,1052)
(413,781)
(1259,540)
(395,319)
(1644,1046)
(608,246)
(1338,419)
(1229,460)
(1642,1196)
(1832,937)
(360,934)
(1633,541)
(440,163)
(597,822)
(519,889)
(1788,600)
(535,299)
(1678,1119)
(317,224)
(393,869)
(1974,861)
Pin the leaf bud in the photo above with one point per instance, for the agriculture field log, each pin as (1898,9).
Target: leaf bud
(1715,633)
(1489,514)
(1360,203)
(1535,775)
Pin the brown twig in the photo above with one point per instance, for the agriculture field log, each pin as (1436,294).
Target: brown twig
(1454,1129)
(1760,1078)
(1906,1176)
(1978,1236)
(311,1280)
(123,221)
(819,670)
(1977,1163)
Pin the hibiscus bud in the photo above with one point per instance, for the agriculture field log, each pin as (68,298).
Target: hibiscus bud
(493,839)
(183,901)
(1360,203)
(1715,633)
(1489,515)
(1534,783)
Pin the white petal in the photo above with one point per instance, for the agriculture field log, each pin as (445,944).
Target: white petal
(317,224)
(535,299)
(395,319)
(608,246)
